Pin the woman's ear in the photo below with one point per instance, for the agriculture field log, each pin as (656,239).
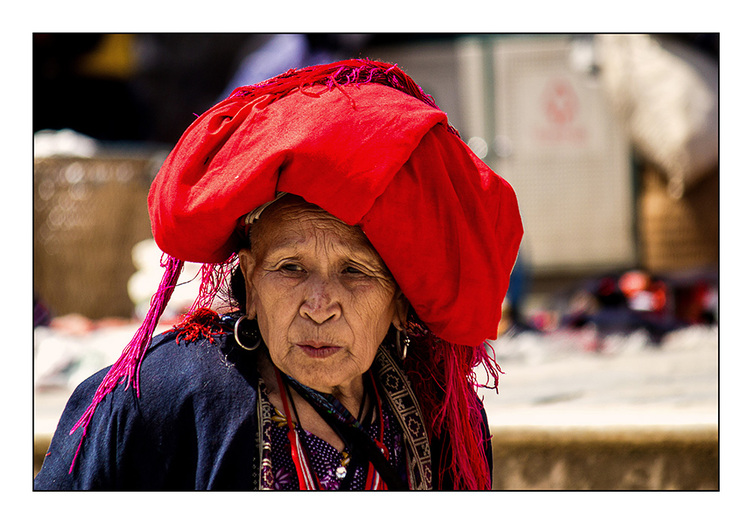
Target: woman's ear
(400,311)
(247,265)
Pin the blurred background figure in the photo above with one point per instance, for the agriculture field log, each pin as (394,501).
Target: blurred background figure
(143,82)
(81,77)
(282,52)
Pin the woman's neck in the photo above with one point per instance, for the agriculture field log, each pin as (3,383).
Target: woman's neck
(350,396)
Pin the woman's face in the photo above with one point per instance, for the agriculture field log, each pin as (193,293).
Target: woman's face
(323,297)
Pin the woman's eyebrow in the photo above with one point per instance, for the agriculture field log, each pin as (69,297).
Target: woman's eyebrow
(281,250)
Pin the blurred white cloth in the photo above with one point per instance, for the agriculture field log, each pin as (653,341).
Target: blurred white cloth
(63,142)
(668,97)
(145,281)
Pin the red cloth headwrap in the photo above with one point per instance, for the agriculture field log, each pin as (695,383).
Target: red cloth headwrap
(372,155)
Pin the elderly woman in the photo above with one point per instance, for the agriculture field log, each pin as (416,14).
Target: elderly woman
(356,255)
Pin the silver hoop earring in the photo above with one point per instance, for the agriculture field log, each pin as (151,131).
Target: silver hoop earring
(251,334)
(402,348)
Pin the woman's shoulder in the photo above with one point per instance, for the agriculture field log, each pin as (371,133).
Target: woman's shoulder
(182,363)
(199,390)
(179,359)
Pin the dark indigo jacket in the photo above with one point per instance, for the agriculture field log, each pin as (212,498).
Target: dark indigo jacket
(173,437)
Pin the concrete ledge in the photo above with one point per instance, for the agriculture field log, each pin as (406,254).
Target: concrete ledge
(603,459)
(41,444)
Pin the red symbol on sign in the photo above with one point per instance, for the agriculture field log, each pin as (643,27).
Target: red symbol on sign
(560,102)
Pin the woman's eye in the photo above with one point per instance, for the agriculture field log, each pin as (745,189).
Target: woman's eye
(351,270)
(291,268)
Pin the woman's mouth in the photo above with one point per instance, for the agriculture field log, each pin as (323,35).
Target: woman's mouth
(318,349)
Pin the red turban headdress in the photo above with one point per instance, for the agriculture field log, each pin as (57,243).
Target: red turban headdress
(374,156)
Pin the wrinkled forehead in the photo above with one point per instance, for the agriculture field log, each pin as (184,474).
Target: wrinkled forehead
(291,220)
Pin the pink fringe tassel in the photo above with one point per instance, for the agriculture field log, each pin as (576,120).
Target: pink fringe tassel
(128,365)
(445,383)
(214,278)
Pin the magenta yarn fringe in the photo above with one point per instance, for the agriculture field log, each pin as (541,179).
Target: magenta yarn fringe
(127,368)
(129,362)
(443,376)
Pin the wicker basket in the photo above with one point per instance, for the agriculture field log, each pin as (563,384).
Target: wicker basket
(679,234)
(88,214)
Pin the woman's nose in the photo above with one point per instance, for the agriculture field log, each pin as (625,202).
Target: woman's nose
(320,304)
